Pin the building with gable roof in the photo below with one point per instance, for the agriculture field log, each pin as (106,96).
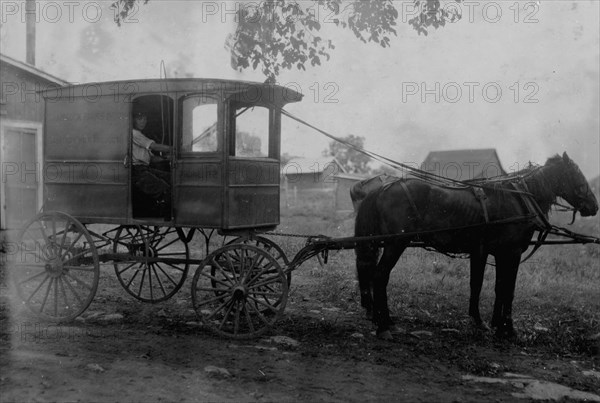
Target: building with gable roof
(21,139)
(464,164)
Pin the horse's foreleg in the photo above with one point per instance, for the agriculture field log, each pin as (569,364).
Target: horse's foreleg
(478,262)
(507,267)
(381,277)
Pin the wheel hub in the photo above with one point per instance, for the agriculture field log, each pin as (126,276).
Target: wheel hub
(240,292)
(55,267)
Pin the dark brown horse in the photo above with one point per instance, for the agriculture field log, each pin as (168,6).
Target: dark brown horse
(495,218)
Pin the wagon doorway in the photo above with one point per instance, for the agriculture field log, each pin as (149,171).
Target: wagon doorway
(158,127)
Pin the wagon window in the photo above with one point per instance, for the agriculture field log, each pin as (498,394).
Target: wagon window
(251,132)
(199,125)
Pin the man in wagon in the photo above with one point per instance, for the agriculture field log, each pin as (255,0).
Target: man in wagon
(153,182)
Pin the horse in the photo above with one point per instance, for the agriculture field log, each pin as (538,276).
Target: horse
(494,217)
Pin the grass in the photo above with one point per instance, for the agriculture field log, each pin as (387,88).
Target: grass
(557,297)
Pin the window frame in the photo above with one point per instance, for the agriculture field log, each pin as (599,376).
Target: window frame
(220,144)
(273,142)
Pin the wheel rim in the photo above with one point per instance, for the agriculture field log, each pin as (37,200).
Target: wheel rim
(151,281)
(239,291)
(57,270)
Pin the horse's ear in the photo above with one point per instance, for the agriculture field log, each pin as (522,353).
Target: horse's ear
(566,157)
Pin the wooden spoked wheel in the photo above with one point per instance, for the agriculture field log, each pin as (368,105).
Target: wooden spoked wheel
(56,268)
(239,291)
(268,246)
(158,266)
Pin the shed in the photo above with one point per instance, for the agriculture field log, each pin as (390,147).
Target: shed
(21,134)
(312,174)
(344,182)
(464,164)
(310,178)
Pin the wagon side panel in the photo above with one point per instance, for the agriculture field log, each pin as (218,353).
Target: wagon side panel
(253,194)
(85,146)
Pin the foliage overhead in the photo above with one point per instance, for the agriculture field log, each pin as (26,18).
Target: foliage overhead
(284,34)
(352,160)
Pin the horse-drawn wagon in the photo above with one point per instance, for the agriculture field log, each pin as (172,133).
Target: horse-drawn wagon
(223,168)
(222,172)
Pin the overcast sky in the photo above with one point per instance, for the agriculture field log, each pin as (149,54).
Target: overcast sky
(523,80)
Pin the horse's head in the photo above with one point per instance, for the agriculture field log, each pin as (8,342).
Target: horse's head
(574,188)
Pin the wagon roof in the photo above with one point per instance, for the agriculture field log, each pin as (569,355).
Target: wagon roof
(256,91)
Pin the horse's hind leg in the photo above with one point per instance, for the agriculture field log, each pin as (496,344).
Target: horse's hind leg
(478,262)
(381,277)
(366,260)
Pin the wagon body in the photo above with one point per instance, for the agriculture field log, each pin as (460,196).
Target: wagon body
(224,166)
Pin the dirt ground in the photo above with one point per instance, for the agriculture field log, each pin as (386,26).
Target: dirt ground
(125,350)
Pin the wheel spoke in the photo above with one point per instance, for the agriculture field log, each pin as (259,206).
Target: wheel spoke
(258,313)
(74,291)
(166,275)
(268,306)
(249,297)
(209,301)
(132,278)
(38,288)
(159,280)
(231,303)
(71,246)
(46,296)
(32,277)
(142,282)
(64,292)
(79,281)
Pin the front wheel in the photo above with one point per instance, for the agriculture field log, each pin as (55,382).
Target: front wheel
(239,291)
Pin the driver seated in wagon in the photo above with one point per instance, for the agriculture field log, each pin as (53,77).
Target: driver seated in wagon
(150,181)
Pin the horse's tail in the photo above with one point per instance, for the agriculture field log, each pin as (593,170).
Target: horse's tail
(367,223)
(367,217)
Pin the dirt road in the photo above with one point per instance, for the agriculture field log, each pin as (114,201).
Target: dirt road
(123,350)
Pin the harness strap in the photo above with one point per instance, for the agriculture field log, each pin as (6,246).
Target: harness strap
(481,196)
(411,200)
(531,205)
(540,241)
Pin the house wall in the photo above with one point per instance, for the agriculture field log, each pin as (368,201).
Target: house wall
(343,202)
(21,139)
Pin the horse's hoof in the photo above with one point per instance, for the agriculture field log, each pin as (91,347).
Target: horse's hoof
(506,334)
(385,335)
(480,326)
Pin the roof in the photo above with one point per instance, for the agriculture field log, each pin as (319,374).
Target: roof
(351,176)
(310,165)
(237,90)
(464,164)
(31,69)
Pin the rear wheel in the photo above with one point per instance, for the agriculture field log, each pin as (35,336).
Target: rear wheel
(56,270)
(152,280)
(239,291)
